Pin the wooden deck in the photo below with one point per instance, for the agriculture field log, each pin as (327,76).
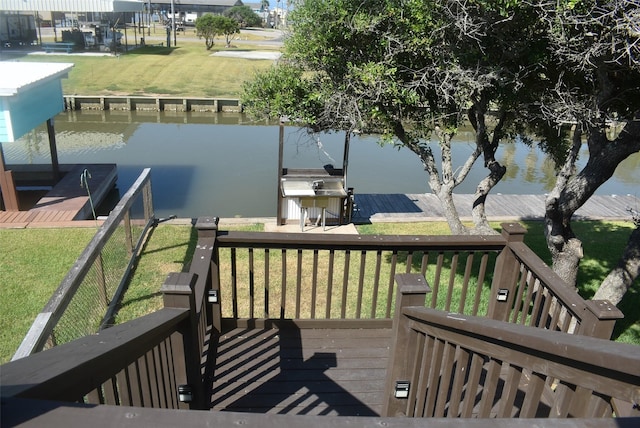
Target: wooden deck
(67,201)
(425,206)
(301,371)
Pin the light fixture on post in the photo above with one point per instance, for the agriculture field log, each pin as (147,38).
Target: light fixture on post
(212,296)
(503,293)
(185,393)
(402,389)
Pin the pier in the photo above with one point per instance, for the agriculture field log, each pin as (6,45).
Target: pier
(425,206)
(145,103)
(68,201)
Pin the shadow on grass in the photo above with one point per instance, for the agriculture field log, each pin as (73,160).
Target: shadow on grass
(153,50)
(603,244)
(127,300)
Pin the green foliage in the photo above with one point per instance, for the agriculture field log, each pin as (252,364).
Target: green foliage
(282,91)
(403,68)
(209,26)
(244,15)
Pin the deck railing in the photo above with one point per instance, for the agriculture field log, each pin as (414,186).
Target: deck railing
(153,361)
(477,366)
(347,277)
(452,365)
(324,278)
(526,291)
(86,298)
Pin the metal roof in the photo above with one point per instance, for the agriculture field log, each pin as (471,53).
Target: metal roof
(225,3)
(18,76)
(72,5)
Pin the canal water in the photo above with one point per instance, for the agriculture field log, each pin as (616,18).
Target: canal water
(205,164)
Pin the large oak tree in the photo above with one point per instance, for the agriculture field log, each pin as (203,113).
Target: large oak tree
(594,76)
(413,70)
(410,71)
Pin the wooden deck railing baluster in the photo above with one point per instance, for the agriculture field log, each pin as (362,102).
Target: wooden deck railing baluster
(411,290)
(361,275)
(509,370)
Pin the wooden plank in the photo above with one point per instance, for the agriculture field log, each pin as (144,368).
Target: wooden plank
(38,413)
(411,207)
(67,200)
(301,371)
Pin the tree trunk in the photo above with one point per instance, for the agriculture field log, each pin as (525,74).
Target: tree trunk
(478,213)
(621,278)
(571,191)
(478,118)
(441,187)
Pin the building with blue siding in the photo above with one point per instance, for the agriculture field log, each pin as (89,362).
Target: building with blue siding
(30,94)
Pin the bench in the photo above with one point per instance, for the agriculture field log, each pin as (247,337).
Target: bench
(67,47)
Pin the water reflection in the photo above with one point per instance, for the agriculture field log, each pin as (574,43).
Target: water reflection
(222,164)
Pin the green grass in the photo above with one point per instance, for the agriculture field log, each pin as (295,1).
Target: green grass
(187,70)
(169,248)
(34,263)
(603,243)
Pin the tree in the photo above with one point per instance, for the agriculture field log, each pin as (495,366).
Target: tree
(410,70)
(244,15)
(264,5)
(209,26)
(594,75)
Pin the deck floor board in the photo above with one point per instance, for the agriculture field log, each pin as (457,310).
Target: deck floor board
(308,371)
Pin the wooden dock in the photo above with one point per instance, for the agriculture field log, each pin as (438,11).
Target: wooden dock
(68,201)
(425,206)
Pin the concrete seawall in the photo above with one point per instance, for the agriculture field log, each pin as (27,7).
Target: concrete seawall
(134,103)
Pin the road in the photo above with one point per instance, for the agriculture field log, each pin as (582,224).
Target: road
(272,37)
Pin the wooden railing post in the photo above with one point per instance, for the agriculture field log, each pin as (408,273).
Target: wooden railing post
(505,275)
(411,290)
(178,292)
(207,230)
(8,192)
(599,319)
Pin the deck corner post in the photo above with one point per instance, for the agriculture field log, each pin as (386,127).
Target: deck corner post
(178,292)
(207,226)
(506,271)
(411,290)
(599,319)
(207,230)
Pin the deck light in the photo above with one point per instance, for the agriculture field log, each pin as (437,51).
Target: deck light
(402,389)
(503,293)
(185,393)
(212,296)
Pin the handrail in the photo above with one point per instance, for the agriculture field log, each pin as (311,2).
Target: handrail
(72,370)
(47,319)
(533,294)
(358,242)
(322,279)
(461,365)
(27,413)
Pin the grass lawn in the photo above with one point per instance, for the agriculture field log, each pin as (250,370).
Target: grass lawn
(188,70)
(33,264)
(603,243)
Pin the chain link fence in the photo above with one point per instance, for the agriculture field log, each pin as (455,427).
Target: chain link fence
(87,297)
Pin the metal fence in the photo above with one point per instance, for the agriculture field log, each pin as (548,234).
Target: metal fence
(87,297)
